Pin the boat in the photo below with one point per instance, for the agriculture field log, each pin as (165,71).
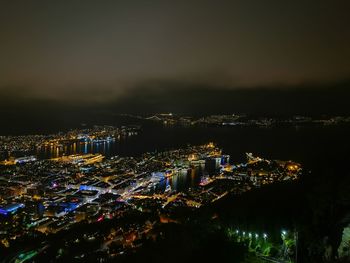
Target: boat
(167,189)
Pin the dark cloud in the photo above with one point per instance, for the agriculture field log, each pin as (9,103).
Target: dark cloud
(72,48)
(30,114)
(280,100)
(63,62)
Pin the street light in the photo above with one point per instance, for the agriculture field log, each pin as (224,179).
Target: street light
(265,236)
(283,237)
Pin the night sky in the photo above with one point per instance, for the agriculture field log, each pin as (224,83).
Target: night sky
(181,56)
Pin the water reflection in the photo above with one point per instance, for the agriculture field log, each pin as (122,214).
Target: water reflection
(105,148)
(182,180)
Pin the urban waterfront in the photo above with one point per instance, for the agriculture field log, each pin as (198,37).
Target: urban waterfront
(305,144)
(160,171)
(174,131)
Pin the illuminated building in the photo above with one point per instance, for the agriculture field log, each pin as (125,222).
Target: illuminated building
(10,209)
(25,159)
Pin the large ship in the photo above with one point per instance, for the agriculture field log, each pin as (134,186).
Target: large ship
(156,178)
(25,159)
(205,180)
(167,189)
(80,159)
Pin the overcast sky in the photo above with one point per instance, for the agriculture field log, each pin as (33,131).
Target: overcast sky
(65,62)
(63,49)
